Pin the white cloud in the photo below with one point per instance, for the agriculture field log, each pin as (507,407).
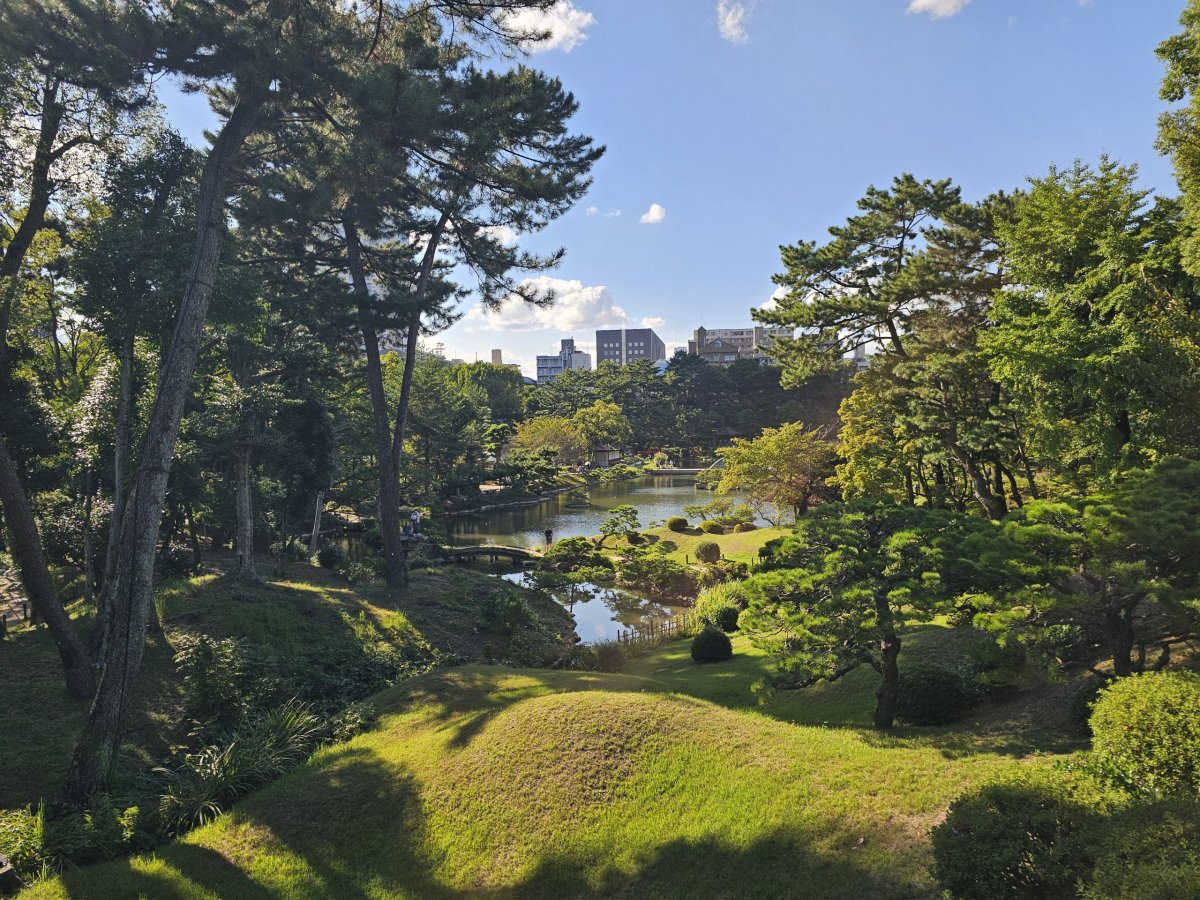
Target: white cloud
(506,236)
(608,214)
(567,26)
(731,21)
(773,303)
(593,210)
(577,307)
(938,9)
(653,322)
(655,214)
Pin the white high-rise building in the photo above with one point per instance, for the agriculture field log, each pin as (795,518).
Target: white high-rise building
(550,367)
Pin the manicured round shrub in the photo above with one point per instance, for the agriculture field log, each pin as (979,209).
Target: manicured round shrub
(712,527)
(743,527)
(677,523)
(330,555)
(1152,851)
(934,695)
(610,656)
(1146,730)
(1034,833)
(708,551)
(711,645)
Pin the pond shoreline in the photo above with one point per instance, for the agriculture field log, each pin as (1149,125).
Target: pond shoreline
(540,498)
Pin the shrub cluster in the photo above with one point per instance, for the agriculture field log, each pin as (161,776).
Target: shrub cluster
(743,527)
(330,555)
(935,695)
(1030,834)
(610,656)
(504,612)
(1146,732)
(199,787)
(711,645)
(711,527)
(716,609)
(1125,823)
(708,551)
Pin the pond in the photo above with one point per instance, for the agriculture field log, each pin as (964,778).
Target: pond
(602,613)
(656,497)
(607,611)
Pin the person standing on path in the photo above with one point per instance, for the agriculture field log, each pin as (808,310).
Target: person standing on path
(549,536)
(416,520)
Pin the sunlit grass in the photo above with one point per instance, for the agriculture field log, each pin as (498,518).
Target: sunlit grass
(667,781)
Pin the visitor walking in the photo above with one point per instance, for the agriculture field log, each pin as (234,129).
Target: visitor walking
(549,536)
(416,520)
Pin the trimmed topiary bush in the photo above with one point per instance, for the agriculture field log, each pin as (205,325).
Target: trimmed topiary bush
(1035,833)
(708,551)
(677,524)
(712,527)
(934,695)
(1146,732)
(711,645)
(743,527)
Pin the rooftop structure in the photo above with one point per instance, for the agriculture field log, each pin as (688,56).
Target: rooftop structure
(624,345)
(722,346)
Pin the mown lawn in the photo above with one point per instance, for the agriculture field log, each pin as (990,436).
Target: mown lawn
(666,781)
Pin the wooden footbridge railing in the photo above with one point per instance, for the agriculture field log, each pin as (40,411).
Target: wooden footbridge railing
(494,553)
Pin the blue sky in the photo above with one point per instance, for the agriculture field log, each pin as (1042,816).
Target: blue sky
(733,127)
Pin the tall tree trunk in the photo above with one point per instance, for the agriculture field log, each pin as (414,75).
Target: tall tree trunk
(122,441)
(245,516)
(121,445)
(995,507)
(131,588)
(1118,631)
(22,526)
(89,555)
(413,338)
(389,482)
(887,697)
(315,537)
(25,543)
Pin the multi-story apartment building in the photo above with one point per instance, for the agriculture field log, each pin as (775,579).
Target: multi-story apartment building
(722,346)
(550,367)
(624,345)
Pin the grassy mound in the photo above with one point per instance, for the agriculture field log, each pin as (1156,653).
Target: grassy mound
(482,782)
(304,620)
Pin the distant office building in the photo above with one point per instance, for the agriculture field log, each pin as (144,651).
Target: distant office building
(497,357)
(722,346)
(550,367)
(624,345)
